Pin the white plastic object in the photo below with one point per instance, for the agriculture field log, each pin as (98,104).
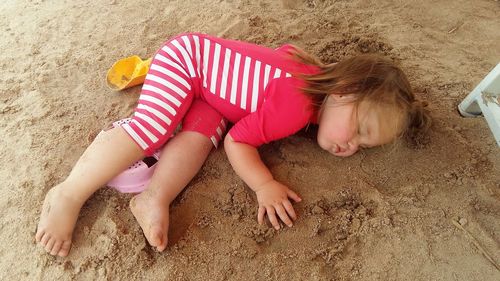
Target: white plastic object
(485,99)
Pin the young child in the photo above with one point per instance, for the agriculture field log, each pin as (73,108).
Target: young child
(206,82)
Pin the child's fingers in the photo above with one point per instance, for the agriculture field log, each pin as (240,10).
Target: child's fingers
(289,209)
(260,214)
(293,195)
(283,215)
(271,215)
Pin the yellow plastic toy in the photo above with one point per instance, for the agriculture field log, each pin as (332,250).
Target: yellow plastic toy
(127,72)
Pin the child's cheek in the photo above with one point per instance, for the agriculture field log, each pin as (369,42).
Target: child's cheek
(322,142)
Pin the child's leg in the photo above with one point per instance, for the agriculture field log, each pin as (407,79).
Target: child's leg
(165,98)
(180,160)
(109,154)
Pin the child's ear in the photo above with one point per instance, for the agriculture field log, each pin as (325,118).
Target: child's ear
(343,97)
(335,97)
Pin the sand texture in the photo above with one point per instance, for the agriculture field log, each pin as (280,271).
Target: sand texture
(383,214)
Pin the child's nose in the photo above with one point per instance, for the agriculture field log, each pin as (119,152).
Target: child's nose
(349,138)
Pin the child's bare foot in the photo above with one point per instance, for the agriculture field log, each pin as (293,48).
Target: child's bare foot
(57,221)
(152,216)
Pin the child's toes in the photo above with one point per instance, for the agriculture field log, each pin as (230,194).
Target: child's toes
(49,245)
(66,245)
(39,235)
(56,248)
(45,239)
(163,245)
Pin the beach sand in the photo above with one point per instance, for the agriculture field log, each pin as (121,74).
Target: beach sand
(383,214)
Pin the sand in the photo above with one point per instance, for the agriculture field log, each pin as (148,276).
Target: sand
(383,214)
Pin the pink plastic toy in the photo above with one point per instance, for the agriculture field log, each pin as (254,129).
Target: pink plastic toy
(136,178)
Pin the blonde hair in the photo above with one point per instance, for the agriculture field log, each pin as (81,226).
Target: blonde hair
(371,77)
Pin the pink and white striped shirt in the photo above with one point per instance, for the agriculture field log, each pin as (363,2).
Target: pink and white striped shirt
(250,85)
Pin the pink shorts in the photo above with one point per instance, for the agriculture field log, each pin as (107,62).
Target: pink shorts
(204,119)
(200,117)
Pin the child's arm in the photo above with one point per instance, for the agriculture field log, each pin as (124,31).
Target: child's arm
(271,195)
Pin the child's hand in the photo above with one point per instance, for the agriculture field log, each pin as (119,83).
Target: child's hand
(273,200)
